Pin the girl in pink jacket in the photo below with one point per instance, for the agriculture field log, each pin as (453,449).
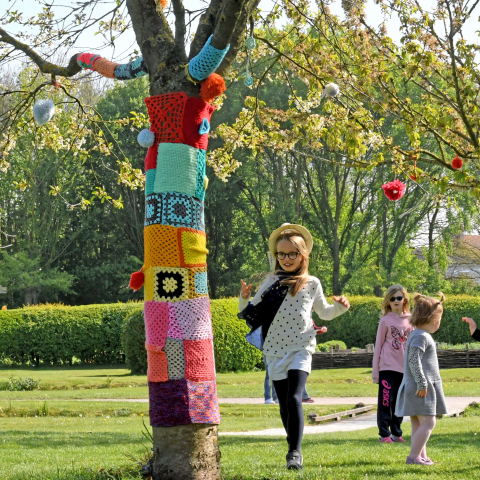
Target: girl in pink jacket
(392,334)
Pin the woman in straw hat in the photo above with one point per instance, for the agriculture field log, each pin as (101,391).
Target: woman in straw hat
(280,316)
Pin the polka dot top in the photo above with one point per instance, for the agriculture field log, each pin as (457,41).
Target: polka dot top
(292,328)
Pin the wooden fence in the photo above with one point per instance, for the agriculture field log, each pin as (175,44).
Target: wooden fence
(466,358)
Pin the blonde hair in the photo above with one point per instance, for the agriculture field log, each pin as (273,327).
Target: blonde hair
(386,308)
(300,277)
(426,309)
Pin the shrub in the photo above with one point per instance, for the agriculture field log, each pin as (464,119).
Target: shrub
(133,343)
(55,334)
(325,347)
(358,326)
(22,384)
(232,352)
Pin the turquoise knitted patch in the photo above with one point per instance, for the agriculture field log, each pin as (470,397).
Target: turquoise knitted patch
(150,182)
(178,169)
(201,287)
(201,165)
(207,61)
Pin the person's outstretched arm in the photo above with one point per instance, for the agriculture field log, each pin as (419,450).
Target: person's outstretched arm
(474,331)
(381,336)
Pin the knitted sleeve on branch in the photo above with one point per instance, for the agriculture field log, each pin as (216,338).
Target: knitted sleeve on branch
(207,61)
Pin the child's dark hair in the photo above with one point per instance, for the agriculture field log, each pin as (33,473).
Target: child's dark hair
(426,309)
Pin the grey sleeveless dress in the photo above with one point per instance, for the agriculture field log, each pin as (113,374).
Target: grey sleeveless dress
(420,371)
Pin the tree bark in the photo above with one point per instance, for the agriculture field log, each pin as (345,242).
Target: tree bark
(187,452)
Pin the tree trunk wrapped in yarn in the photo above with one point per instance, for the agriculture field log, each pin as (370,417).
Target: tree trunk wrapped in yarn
(181,371)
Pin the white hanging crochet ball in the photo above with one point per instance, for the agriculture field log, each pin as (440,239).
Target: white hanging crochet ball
(43,111)
(146,138)
(331,90)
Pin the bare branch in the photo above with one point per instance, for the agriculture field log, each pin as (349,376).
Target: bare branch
(44,66)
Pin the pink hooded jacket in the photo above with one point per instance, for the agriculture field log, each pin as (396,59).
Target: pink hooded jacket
(392,334)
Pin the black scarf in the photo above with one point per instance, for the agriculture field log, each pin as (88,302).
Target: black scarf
(262,314)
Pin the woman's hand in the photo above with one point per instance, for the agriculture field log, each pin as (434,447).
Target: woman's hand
(319,330)
(471,324)
(421,393)
(245,290)
(343,300)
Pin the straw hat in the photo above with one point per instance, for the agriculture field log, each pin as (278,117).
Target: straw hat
(272,241)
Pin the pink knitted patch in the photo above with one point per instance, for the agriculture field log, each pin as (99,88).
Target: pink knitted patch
(203,402)
(156,322)
(174,327)
(194,318)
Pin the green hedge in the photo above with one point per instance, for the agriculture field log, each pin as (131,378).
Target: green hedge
(232,352)
(56,334)
(358,326)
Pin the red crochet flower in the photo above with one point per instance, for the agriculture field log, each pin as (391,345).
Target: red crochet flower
(457,163)
(394,190)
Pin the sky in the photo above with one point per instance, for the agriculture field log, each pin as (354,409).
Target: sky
(126,43)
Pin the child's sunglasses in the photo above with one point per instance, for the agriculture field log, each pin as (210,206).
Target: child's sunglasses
(399,299)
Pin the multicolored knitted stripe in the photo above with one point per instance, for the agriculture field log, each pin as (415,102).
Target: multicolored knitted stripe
(178,325)
(126,71)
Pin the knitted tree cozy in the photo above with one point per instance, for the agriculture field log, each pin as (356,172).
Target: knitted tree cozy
(178,325)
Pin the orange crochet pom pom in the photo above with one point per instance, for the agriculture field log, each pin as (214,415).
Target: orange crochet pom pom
(163,3)
(137,280)
(212,87)
(457,163)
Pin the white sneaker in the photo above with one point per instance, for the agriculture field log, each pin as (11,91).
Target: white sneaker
(269,402)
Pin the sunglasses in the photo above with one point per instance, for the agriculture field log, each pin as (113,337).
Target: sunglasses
(399,299)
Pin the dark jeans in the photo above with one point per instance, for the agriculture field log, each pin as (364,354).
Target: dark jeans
(388,385)
(289,392)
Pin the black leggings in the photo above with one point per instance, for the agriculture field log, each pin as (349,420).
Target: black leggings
(289,392)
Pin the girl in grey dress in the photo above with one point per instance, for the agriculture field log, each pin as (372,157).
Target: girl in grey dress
(421,394)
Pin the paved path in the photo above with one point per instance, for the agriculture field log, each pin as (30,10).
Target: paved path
(368,420)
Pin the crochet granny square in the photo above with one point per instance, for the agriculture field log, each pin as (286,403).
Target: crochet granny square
(161,246)
(193,250)
(170,284)
(175,357)
(182,210)
(199,362)
(156,322)
(157,364)
(194,318)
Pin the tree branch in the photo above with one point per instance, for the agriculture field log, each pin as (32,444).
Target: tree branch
(205,27)
(44,66)
(180,28)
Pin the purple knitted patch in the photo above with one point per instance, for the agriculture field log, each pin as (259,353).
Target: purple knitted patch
(169,403)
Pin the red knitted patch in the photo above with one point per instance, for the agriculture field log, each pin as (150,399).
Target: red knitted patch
(166,113)
(195,111)
(151,158)
(199,361)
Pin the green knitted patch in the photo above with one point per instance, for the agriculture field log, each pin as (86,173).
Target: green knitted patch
(178,169)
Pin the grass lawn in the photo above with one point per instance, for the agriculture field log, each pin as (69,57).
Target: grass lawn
(235,418)
(116,382)
(63,448)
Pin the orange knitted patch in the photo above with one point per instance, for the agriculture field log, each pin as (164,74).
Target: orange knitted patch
(166,113)
(161,247)
(157,364)
(199,360)
(105,67)
(193,251)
